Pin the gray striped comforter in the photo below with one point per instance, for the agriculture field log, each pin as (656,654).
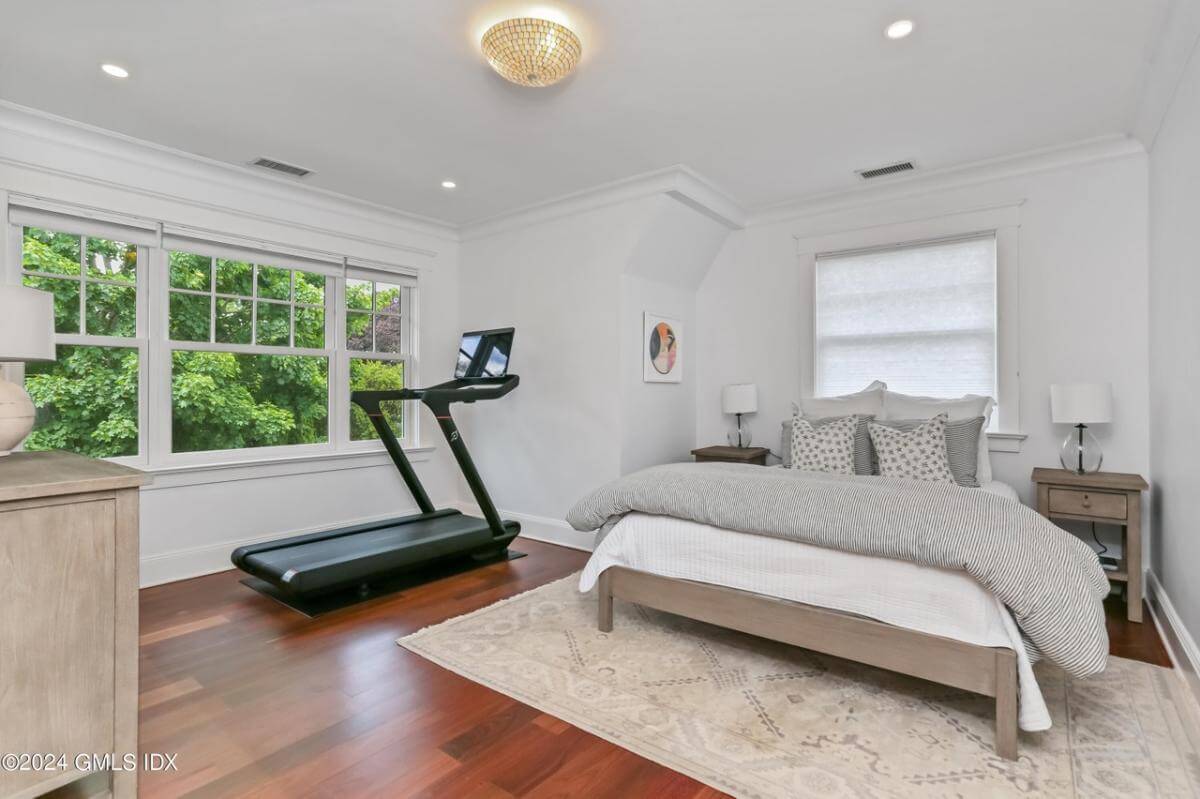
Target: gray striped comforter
(1050,580)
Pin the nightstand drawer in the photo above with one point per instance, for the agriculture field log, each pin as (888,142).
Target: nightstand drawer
(1088,503)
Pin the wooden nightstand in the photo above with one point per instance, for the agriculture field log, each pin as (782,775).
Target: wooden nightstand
(755,455)
(1108,498)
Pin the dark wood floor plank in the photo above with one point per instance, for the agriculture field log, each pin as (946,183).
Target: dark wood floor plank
(260,701)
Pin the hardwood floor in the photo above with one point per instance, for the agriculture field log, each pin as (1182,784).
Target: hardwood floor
(260,701)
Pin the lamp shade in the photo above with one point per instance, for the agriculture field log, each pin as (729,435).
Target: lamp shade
(26,324)
(739,398)
(1081,403)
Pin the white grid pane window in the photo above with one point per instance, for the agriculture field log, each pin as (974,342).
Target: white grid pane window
(87,400)
(181,348)
(378,343)
(920,317)
(272,387)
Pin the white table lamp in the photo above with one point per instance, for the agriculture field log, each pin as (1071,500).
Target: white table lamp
(1081,404)
(26,334)
(739,398)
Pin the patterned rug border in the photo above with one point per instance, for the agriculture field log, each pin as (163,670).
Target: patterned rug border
(639,747)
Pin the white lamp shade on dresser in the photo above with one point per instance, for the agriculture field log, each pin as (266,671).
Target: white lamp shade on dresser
(26,334)
(739,398)
(26,324)
(1081,403)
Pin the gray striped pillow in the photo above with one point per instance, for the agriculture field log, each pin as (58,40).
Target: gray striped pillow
(863,453)
(962,446)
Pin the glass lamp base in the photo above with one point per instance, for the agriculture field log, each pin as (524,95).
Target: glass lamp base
(1080,452)
(738,437)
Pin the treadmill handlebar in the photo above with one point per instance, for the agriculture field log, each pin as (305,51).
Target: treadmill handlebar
(458,390)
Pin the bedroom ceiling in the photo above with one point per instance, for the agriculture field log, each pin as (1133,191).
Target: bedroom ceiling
(770,99)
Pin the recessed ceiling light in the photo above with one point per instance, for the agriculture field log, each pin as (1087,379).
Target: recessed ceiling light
(899,29)
(115,71)
(448,184)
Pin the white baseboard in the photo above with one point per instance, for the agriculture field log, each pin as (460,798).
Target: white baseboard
(183,564)
(1179,642)
(541,528)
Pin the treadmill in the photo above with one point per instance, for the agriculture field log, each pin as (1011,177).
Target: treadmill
(324,571)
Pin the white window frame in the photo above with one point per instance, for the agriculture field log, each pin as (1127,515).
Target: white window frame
(1004,221)
(408,305)
(139,341)
(155,348)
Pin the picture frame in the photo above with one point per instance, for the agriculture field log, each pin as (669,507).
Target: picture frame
(662,349)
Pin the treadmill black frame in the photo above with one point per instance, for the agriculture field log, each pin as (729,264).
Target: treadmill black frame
(438,399)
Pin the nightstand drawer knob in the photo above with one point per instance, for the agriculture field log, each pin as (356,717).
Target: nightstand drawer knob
(1087,501)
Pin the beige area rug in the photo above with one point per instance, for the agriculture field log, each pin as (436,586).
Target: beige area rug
(760,719)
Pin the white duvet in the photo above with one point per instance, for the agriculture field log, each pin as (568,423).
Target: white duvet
(929,600)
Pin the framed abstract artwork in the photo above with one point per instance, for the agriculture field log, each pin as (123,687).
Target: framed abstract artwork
(662,356)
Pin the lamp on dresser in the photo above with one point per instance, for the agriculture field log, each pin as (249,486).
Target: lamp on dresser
(26,334)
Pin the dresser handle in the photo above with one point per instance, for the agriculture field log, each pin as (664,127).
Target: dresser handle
(1087,501)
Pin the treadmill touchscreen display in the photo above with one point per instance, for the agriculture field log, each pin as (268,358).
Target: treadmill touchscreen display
(484,353)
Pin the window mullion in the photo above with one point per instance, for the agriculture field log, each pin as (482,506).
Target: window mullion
(83,285)
(212,300)
(158,423)
(292,310)
(254,303)
(339,382)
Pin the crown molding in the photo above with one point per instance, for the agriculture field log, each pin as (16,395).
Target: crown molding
(1177,44)
(31,125)
(678,182)
(939,180)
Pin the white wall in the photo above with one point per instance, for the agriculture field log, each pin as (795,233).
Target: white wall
(1174,348)
(658,420)
(192,521)
(558,434)
(662,274)
(575,287)
(1082,296)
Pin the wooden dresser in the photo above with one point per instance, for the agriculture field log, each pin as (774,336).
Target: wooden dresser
(68,618)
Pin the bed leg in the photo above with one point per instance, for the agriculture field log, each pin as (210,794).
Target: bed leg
(606,601)
(1006,704)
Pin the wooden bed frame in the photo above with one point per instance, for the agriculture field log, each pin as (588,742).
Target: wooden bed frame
(979,669)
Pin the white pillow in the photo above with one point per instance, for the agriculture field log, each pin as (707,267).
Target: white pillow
(868,402)
(907,406)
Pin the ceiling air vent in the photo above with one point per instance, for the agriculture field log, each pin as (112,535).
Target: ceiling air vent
(890,169)
(280,166)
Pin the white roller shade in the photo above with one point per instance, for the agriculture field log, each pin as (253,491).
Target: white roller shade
(921,317)
(359,269)
(108,226)
(258,252)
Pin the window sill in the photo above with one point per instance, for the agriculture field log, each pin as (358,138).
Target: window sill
(218,472)
(1005,442)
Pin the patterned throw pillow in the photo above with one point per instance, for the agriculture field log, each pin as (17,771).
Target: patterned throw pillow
(828,448)
(916,455)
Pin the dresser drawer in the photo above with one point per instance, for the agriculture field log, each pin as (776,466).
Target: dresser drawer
(1088,503)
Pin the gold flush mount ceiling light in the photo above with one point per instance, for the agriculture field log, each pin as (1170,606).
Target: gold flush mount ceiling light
(531,52)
